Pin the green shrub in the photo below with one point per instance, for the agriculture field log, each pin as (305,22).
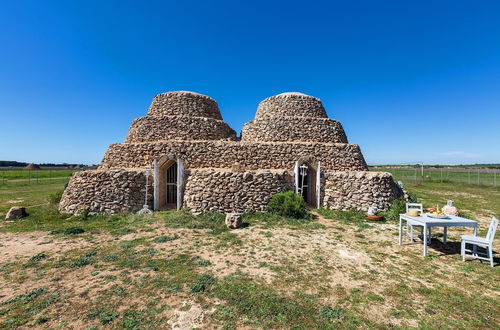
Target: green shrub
(398,206)
(84,214)
(288,204)
(55,197)
(412,197)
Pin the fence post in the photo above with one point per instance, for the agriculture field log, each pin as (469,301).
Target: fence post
(468,172)
(441,175)
(478,176)
(415,175)
(495,177)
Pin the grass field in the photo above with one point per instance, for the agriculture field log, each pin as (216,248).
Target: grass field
(174,269)
(10,178)
(445,176)
(27,174)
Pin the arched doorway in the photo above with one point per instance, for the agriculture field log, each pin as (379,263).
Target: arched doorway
(168,183)
(307,182)
(170,176)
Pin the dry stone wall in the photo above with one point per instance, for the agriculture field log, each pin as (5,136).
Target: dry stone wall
(147,128)
(291,105)
(113,191)
(184,104)
(210,190)
(294,129)
(359,190)
(227,154)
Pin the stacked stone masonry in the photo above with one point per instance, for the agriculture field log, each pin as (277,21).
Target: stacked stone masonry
(288,129)
(112,191)
(227,154)
(291,105)
(216,171)
(150,129)
(226,191)
(184,104)
(358,190)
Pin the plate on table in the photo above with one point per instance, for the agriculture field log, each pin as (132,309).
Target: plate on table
(437,216)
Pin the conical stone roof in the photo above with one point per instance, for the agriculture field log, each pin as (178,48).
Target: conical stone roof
(180,115)
(292,117)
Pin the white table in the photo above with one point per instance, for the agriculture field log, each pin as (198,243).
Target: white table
(427,222)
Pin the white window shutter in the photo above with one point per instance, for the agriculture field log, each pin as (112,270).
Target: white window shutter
(296,171)
(318,186)
(156,185)
(180,183)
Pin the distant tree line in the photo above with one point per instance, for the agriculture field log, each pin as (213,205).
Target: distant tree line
(13,163)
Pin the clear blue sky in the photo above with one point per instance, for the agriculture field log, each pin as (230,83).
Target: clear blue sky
(411,81)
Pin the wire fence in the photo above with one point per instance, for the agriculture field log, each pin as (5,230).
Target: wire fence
(421,174)
(15,177)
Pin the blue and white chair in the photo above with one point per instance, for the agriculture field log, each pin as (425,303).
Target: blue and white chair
(485,242)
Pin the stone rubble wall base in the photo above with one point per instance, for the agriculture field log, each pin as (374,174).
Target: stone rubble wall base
(225,191)
(226,154)
(210,190)
(113,191)
(359,190)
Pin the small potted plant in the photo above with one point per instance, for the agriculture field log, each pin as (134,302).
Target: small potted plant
(372,214)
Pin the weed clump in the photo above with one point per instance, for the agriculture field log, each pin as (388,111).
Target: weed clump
(68,231)
(203,283)
(105,316)
(26,297)
(38,257)
(55,197)
(185,219)
(329,313)
(288,204)
(164,239)
(84,260)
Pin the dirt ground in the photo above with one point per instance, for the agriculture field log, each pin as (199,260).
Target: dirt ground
(335,262)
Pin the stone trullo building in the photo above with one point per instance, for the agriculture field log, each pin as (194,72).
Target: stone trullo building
(196,161)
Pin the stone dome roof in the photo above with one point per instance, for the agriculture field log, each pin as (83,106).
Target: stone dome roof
(184,103)
(180,115)
(291,104)
(293,93)
(292,117)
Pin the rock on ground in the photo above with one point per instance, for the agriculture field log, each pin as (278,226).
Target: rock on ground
(233,220)
(16,212)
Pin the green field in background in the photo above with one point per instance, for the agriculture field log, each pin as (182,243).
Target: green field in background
(33,174)
(471,177)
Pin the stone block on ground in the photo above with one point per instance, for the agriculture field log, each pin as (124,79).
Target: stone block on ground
(16,212)
(233,220)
